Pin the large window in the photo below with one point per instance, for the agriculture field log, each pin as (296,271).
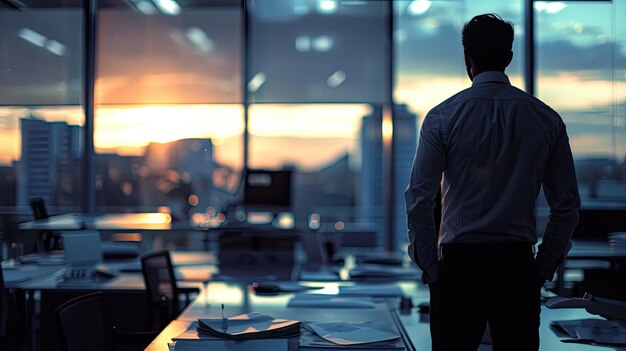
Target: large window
(335,151)
(318,51)
(41,120)
(189,93)
(318,76)
(429,60)
(169,122)
(581,52)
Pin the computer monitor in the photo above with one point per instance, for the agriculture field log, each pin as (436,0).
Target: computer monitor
(82,248)
(265,188)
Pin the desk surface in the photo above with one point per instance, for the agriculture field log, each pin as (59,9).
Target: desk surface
(189,266)
(239,299)
(114,221)
(143,221)
(584,249)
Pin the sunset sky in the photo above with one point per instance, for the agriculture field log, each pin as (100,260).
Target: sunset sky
(164,78)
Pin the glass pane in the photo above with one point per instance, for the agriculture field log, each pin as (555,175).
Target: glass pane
(581,74)
(186,157)
(429,61)
(41,156)
(41,56)
(335,151)
(318,51)
(41,120)
(147,56)
(430,68)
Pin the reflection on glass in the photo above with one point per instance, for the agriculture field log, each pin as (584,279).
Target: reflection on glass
(581,60)
(318,51)
(134,221)
(40,152)
(429,60)
(192,57)
(41,56)
(186,157)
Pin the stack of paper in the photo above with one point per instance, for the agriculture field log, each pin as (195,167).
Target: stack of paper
(248,326)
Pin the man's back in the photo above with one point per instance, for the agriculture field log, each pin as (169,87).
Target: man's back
(495,147)
(498,142)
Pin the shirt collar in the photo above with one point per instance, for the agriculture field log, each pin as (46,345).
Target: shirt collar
(491,77)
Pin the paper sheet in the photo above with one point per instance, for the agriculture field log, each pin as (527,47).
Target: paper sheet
(342,333)
(599,330)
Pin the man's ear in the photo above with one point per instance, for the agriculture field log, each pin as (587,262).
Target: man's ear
(509,58)
(468,65)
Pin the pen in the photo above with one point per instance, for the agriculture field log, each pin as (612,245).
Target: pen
(224,320)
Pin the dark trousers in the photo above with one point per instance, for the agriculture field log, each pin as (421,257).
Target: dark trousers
(486,284)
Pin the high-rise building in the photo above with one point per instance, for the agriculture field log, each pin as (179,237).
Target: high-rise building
(369,196)
(49,154)
(7,185)
(405,143)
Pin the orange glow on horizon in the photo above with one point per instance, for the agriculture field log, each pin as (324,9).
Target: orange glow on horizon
(135,127)
(307,135)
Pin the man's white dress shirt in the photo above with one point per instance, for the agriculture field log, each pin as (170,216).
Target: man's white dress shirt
(491,147)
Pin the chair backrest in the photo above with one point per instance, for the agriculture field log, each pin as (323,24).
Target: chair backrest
(84,324)
(49,240)
(160,281)
(38,207)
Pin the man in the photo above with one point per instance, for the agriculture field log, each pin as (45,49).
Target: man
(495,146)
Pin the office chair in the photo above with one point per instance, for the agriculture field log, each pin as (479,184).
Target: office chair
(163,293)
(83,324)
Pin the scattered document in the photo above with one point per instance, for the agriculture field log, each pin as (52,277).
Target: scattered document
(607,308)
(311,341)
(596,330)
(248,326)
(567,302)
(346,334)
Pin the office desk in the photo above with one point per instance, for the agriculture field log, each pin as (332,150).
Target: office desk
(597,250)
(238,299)
(418,329)
(144,221)
(40,292)
(112,221)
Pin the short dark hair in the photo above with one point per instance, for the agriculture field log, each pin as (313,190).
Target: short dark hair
(488,40)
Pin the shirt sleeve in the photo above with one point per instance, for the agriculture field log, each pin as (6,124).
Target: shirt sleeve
(428,165)
(561,191)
